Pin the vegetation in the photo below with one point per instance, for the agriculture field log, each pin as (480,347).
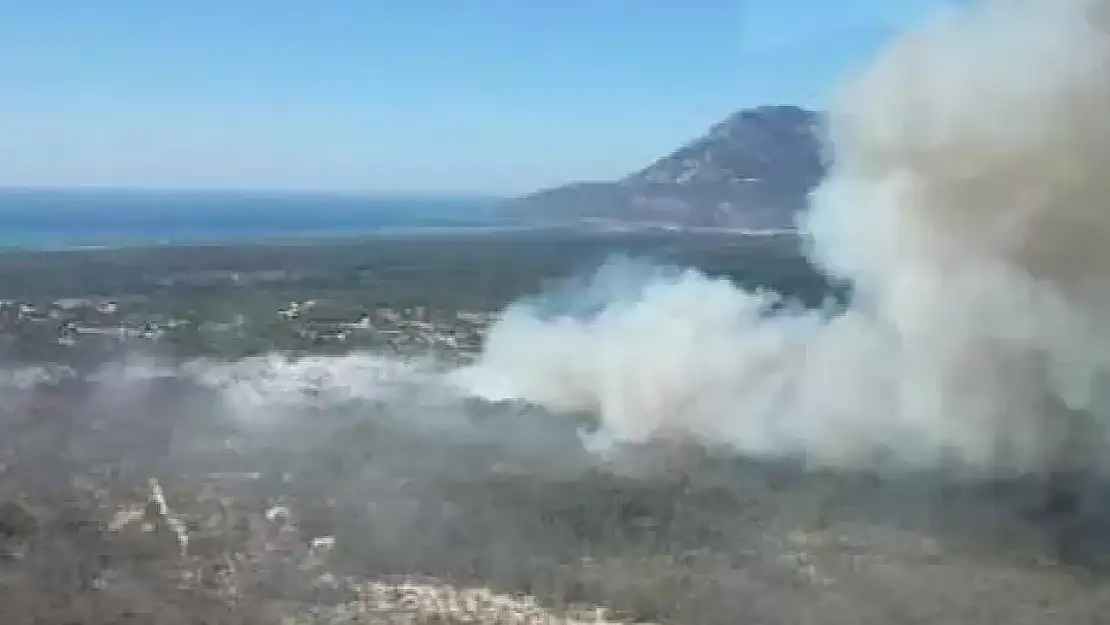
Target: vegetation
(471,271)
(508,499)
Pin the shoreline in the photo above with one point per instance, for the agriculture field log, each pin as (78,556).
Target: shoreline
(93,244)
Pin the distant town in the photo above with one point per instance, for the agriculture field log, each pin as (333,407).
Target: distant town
(304,324)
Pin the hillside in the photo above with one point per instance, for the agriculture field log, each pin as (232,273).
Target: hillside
(752,170)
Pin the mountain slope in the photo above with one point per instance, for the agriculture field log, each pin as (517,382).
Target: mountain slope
(752,170)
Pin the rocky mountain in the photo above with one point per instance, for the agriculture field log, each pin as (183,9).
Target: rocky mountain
(752,170)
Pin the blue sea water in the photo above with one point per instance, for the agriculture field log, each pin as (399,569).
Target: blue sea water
(67,218)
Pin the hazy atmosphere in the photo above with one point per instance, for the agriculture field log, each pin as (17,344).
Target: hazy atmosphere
(502,314)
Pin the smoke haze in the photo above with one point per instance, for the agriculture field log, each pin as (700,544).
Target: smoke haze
(967,206)
(967,209)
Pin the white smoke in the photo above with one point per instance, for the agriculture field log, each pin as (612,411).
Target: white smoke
(257,391)
(258,386)
(969,205)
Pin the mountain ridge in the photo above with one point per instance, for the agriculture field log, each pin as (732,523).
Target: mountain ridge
(754,169)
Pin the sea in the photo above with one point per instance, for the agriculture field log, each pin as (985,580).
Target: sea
(48,219)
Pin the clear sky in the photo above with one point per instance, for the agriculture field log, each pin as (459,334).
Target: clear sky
(427,96)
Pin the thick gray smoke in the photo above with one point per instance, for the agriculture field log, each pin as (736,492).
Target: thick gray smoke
(970,207)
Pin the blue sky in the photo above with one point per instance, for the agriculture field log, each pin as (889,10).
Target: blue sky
(427,96)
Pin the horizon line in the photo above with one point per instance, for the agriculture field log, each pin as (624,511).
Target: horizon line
(251,190)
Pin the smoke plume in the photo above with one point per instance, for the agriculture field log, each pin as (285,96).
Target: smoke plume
(967,204)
